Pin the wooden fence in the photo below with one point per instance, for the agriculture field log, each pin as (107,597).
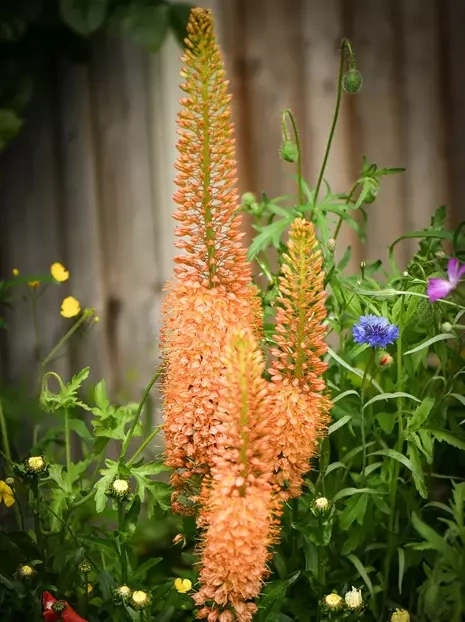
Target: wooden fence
(89,180)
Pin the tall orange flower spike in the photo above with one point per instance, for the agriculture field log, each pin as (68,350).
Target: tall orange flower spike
(240,510)
(213,290)
(301,406)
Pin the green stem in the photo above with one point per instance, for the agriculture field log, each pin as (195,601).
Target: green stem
(123,553)
(144,445)
(8,469)
(139,410)
(291,117)
(67,442)
(340,221)
(86,594)
(335,118)
(36,514)
(394,471)
(362,399)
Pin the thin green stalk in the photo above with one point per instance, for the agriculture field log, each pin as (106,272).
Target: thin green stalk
(289,114)
(86,314)
(67,442)
(139,411)
(86,594)
(362,399)
(8,469)
(36,515)
(123,552)
(394,471)
(334,123)
(340,221)
(144,445)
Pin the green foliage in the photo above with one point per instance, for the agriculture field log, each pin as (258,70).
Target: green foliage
(32,30)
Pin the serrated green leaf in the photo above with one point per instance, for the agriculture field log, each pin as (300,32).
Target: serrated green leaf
(435,541)
(448,437)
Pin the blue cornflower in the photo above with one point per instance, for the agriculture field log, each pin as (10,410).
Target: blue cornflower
(375,331)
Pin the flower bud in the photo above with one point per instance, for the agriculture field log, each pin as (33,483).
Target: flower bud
(120,489)
(331,245)
(84,567)
(333,601)
(446,327)
(59,606)
(122,593)
(405,274)
(353,599)
(289,152)
(140,599)
(439,254)
(384,359)
(321,505)
(10,481)
(25,572)
(352,81)
(35,466)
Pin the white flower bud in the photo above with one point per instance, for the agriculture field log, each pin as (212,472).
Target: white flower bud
(354,599)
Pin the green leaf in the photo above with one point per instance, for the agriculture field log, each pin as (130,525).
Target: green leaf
(459,398)
(179,14)
(356,350)
(420,414)
(345,394)
(354,511)
(144,568)
(448,437)
(390,396)
(435,541)
(333,466)
(353,370)
(362,572)
(418,481)
(386,421)
(395,455)
(101,487)
(348,492)
(101,396)
(83,16)
(401,563)
(10,124)
(339,424)
(146,24)
(270,235)
(275,592)
(429,342)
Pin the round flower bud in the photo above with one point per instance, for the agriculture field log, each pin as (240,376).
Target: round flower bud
(424,313)
(289,152)
(400,615)
(122,593)
(321,505)
(10,481)
(59,606)
(352,81)
(353,599)
(140,599)
(36,466)
(120,489)
(439,254)
(446,327)
(405,274)
(384,359)
(333,601)
(331,245)
(84,567)
(25,572)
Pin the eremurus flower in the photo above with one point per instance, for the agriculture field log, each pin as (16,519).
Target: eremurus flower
(240,507)
(213,290)
(300,405)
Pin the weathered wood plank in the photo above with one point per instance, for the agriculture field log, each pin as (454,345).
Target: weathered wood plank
(130,268)
(377,120)
(323,30)
(424,137)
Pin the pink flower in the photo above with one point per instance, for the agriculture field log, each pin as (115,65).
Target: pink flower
(440,288)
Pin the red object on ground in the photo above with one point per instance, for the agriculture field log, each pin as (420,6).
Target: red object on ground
(67,615)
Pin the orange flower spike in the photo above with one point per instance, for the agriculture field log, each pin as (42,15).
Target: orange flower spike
(207,197)
(300,405)
(240,510)
(213,291)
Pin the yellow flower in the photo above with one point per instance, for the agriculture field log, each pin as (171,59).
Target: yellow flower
(89,588)
(25,571)
(183,585)
(59,272)
(6,494)
(70,307)
(34,283)
(400,615)
(333,601)
(96,319)
(120,489)
(15,272)
(36,463)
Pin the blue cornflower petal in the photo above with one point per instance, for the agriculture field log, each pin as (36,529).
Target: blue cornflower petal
(375,331)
